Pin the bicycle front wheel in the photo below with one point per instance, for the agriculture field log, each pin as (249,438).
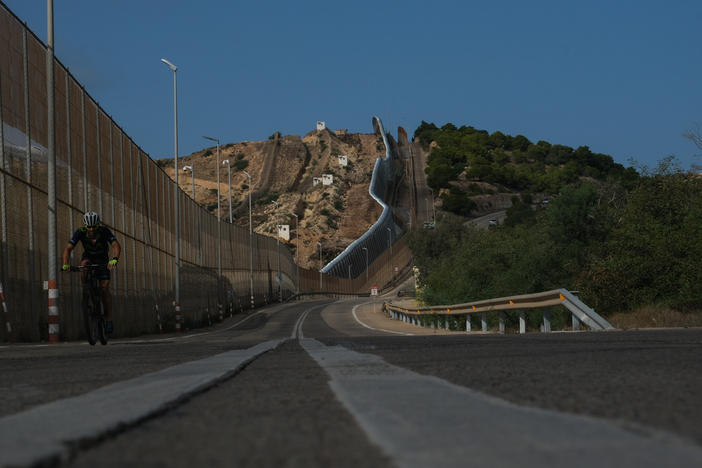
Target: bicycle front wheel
(102,335)
(90,321)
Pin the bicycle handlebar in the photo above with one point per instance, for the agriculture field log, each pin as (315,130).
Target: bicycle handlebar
(90,266)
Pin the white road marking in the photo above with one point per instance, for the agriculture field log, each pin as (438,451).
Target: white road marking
(421,421)
(23,346)
(353,311)
(31,436)
(297,330)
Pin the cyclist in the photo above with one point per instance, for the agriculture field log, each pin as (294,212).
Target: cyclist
(96,239)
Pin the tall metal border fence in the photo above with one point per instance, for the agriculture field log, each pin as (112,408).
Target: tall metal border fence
(100,168)
(384,232)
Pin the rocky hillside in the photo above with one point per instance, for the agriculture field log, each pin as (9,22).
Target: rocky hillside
(283,169)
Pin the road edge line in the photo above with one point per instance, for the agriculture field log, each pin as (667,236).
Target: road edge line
(353,312)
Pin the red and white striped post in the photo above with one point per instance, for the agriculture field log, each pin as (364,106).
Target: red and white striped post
(6,316)
(158,318)
(53,312)
(179,318)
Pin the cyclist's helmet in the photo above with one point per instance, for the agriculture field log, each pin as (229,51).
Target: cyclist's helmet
(91,219)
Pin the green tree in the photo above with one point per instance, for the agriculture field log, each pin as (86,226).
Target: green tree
(456,201)
(654,248)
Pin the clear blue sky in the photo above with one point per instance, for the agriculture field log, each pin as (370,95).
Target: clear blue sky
(623,77)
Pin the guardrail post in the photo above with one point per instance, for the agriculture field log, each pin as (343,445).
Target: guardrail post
(447,325)
(502,322)
(576,322)
(547,321)
(483,321)
(467,322)
(522,322)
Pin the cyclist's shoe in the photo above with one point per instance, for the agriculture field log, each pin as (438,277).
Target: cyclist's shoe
(109,328)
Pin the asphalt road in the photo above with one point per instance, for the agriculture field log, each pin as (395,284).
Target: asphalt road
(312,384)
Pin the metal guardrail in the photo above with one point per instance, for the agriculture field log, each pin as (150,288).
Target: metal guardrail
(581,313)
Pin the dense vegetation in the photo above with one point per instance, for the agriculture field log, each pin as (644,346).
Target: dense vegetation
(515,163)
(622,239)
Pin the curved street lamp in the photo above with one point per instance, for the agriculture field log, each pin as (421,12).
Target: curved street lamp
(320,266)
(176,206)
(192,178)
(219,233)
(277,246)
(251,290)
(229,167)
(297,255)
(390,259)
(366,250)
(192,183)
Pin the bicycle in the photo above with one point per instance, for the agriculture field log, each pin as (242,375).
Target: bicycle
(93,311)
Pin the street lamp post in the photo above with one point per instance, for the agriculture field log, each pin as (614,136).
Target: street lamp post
(297,256)
(366,250)
(192,178)
(229,167)
(320,266)
(176,206)
(199,244)
(251,290)
(219,234)
(390,259)
(277,246)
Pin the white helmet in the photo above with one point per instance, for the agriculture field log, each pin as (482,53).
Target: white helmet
(91,219)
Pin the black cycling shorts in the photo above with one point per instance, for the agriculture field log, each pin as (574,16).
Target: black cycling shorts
(102,273)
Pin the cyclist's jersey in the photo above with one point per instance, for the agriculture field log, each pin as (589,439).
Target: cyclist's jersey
(96,249)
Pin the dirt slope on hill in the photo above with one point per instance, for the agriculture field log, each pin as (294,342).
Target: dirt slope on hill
(283,169)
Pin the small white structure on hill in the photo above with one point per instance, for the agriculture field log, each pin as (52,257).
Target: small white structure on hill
(327,179)
(321,125)
(316,181)
(284,231)
(343,160)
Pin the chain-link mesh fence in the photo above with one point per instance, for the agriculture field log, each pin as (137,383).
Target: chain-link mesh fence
(99,167)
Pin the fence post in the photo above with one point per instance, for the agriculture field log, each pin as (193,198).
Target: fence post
(576,322)
(28,177)
(98,145)
(8,325)
(547,321)
(69,157)
(3,202)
